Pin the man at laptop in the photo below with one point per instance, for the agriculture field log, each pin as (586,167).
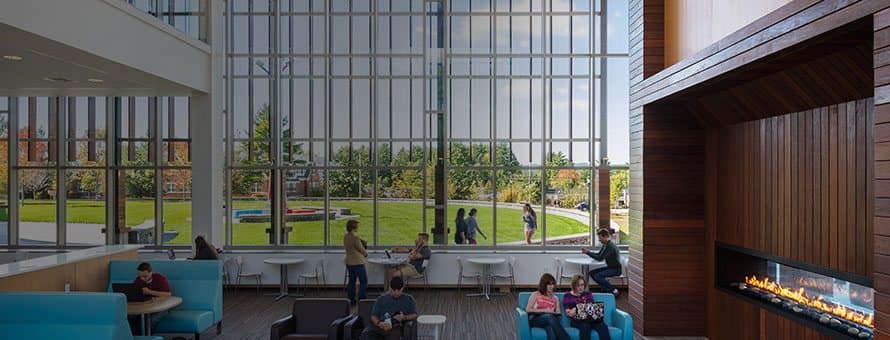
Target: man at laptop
(154,285)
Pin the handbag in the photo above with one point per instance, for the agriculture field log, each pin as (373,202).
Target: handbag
(590,311)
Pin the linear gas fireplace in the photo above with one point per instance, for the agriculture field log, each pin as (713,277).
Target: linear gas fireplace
(836,303)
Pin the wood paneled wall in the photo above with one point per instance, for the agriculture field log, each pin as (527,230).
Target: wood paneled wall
(801,195)
(796,186)
(646,18)
(881,172)
(691,25)
(673,220)
(90,275)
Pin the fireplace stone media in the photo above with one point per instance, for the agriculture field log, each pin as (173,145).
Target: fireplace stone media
(836,303)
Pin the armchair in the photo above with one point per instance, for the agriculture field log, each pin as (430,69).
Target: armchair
(353,329)
(313,319)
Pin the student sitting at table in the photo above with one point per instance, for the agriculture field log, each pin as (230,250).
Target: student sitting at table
(418,254)
(153,284)
(389,312)
(609,253)
(204,250)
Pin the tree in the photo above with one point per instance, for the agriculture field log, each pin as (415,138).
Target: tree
(349,181)
(618,182)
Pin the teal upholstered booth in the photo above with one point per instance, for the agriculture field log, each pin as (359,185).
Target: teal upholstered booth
(619,322)
(198,283)
(60,315)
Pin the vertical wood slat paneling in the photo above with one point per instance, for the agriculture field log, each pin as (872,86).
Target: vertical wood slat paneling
(646,21)
(821,146)
(872,153)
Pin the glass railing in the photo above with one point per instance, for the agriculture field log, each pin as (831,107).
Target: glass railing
(184,15)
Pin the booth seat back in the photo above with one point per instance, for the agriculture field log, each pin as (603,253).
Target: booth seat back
(198,283)
(58,315)
(609,309)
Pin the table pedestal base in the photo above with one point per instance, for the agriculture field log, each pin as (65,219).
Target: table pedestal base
(283,288)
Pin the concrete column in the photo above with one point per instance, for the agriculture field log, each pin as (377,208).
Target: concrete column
(207,132)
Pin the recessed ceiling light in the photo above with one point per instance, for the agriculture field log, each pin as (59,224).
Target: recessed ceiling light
(95,80)
(59,79)
(12,57)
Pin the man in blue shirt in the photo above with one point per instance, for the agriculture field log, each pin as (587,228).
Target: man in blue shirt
(473,228)
(389,312)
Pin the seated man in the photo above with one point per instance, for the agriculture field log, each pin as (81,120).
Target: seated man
(609,253)
(420,252)
(153,284)
(390,310)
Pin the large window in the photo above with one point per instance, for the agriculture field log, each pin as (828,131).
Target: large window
(400,113)
(89,165)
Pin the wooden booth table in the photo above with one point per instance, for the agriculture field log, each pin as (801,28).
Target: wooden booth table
(155,305)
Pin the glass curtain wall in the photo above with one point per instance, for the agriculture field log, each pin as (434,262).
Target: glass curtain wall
(400,113)
(86,165)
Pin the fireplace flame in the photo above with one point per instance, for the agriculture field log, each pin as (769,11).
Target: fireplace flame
(802,298)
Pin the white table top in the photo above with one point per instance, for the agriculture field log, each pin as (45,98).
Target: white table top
(387,261)
(21,267)
(431,319)
(584,261)
(283,260)
(486,260)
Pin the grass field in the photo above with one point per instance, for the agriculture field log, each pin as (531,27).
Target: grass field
(398,223)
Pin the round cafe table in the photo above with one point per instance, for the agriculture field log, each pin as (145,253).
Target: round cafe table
(584,262)
(388,263)
(283,263)
(486,263)
(155,305)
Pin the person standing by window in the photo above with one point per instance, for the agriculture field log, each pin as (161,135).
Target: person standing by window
(460,226)
(609,253)
(473,228)
(530,220)
(356,258)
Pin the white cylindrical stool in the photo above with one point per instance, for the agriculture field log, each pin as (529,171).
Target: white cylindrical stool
(437,321)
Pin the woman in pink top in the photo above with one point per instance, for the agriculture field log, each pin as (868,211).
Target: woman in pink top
(544,309)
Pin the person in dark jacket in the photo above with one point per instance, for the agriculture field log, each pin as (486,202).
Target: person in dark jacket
(203,250)
(461,226)
(609,253)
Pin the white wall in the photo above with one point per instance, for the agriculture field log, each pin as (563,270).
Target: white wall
(443,267)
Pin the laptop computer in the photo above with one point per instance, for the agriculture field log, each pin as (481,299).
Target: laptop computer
(131,290)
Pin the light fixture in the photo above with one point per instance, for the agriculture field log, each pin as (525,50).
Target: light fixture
(13,57)
(95,80)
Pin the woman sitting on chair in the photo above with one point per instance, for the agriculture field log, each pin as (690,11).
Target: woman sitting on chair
(544,310)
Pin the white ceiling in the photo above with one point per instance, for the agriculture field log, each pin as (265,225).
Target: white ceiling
(44,58)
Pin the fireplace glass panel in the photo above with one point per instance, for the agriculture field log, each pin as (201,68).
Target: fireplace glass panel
(834,302)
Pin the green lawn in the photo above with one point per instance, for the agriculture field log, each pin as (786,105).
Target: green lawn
(399,222)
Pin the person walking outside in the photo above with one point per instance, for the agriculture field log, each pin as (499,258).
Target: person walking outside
(473,227)
(460,225)
(530,220)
